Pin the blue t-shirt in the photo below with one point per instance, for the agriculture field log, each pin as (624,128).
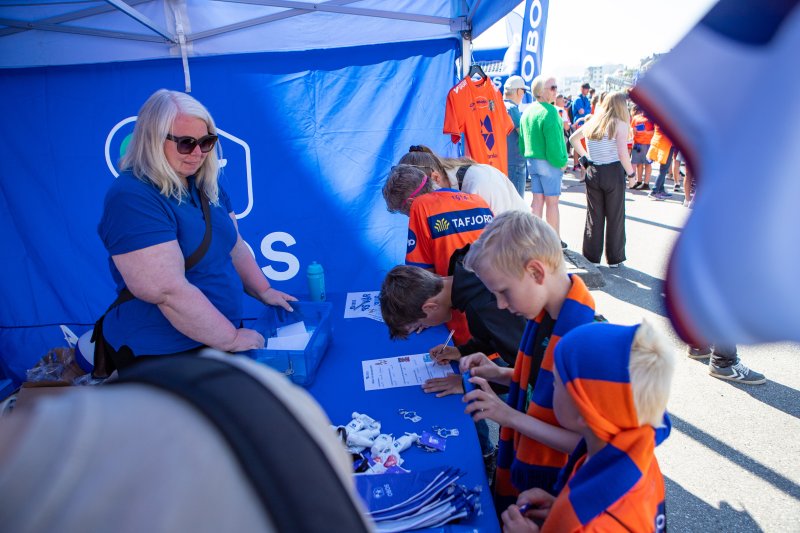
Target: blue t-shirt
(136,215)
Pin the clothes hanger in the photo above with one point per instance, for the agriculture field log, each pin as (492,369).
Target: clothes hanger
(476,69)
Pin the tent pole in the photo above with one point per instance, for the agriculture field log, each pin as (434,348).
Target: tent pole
(181,35)
(466,53)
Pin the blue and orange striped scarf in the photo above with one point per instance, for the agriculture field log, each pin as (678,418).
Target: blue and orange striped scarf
(620,487)
(522,462)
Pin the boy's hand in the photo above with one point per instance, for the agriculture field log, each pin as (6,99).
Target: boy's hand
(531,504)
(481,366)
(444,386)
(444,354)
(484,403)
(538,503)
(515,522)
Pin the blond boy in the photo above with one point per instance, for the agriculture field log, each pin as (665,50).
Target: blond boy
(518,257)
(612,385)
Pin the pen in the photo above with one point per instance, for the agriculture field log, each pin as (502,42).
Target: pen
(452,331)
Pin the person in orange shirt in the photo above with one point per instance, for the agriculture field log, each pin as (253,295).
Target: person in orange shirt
(643,130)
(611,386)
(661,151)
(440,221)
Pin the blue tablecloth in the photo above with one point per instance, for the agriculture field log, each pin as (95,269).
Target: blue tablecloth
(339,388)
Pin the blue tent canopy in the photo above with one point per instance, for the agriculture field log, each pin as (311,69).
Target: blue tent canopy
(314,101)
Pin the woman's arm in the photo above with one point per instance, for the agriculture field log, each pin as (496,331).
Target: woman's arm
(253,279)
(575,141)
(156,275)
(622,146)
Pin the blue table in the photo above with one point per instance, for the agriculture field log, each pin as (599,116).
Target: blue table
(339,388)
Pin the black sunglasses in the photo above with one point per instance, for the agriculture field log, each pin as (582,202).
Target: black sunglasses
(553,87)
(186,145)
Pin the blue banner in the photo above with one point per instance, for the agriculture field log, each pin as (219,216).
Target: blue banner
(534,24)
(307,140)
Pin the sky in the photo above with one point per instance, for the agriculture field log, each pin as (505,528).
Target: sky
(581,33)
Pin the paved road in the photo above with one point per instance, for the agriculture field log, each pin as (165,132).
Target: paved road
(732,461)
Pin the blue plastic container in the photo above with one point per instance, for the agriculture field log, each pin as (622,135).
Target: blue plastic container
(298,365)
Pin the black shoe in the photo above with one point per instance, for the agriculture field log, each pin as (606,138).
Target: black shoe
(636,185)
(646,187)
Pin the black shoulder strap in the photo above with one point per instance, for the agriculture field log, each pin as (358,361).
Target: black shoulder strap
(289,471)
(460,173)
(126,295)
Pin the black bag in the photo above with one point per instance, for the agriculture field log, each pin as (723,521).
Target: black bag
(106,359)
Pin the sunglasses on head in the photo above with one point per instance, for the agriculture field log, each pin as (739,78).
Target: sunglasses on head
(186,144)
(553,87)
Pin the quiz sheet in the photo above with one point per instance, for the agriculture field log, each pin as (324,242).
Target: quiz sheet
(401,371)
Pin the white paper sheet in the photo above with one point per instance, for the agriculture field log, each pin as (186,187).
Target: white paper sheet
(402,371)
(298,328)
(364,304)
(291,342)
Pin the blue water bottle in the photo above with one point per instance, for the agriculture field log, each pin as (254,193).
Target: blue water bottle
(316,282)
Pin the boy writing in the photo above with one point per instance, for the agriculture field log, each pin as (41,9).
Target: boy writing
(412,297)
(612,384)
(518,257)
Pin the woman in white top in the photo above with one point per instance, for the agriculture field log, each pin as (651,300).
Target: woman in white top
(606,135)
(465,174)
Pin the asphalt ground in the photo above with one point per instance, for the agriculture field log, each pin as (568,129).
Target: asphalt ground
(731,462)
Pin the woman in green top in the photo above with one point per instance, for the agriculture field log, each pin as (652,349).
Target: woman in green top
(542,134)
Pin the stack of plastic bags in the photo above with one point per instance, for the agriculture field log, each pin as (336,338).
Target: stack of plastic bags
(418,500)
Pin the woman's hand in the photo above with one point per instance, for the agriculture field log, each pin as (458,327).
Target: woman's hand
(444,354)
(444,386)
(245,339)
(272,296)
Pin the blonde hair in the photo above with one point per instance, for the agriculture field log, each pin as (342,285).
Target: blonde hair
(538,85)
(614,107)
(512,240)
(651,367)
(145,154)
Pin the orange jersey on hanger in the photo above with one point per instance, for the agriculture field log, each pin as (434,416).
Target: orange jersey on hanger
(476,109)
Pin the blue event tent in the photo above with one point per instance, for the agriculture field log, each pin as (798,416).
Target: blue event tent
(314,101)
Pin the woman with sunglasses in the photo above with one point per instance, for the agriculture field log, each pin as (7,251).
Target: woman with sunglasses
(542,133)
(154,220)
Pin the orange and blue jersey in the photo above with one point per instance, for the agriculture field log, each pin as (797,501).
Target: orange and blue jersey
(439,223)
(523,462)
(477,110)
(643,129)
(620,487)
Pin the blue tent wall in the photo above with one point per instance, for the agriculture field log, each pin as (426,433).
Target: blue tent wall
(323,128)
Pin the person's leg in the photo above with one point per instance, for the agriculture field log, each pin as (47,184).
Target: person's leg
(687,188)
(614,186)
(662,174)
(595,215)
(537,203)
(516,174)
(551,185)
(551,212)
(648,170)
(725,364)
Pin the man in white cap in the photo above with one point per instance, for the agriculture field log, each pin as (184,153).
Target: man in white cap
(514,90)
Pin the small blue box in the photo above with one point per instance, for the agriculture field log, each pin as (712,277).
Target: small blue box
(298,365)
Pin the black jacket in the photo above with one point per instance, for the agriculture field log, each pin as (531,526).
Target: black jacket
(493,330)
